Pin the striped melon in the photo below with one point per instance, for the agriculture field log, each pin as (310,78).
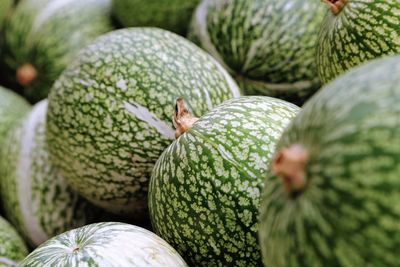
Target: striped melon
(36,199)
(105,245)
(356,31)
(42,37)
(205,188)
(110,112)
(12,247)
(333,196)
(268,45)
(172,15)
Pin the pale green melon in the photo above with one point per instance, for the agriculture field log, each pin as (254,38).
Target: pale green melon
(109,114)
(12,247)
(105,245)
(36,199)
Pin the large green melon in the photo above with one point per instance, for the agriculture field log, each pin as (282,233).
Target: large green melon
(12,247)
(172,15)
(205,188)
(333,196)
(357,31)
(110,112)
(43,36)
(267,45)
(36,199)
(105,245)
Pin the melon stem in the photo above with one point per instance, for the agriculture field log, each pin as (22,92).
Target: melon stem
(336,5)
(26,73)
(183,120)
(289,165)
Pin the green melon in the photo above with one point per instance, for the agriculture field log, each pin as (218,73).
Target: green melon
(268,45)
(333,196)
(105,245)
(12,247)
(110,112)
(43,36)
(205,188)
(172,15)
(5,7)
(12,109)
(36,199)
(356,31)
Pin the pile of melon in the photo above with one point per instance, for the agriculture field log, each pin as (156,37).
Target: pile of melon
(200,133)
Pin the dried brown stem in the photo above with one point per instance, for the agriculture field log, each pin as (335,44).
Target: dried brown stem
(336,5)
(183,119)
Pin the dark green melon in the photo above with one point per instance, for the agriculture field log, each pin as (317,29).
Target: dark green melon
(12,247)
(172,15)
(109,115)
(43,36)
(356,31)
(268,45)
(333,196)
(205,188)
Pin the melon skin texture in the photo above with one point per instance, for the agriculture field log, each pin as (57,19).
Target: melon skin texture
(36,198)
(48,34)
(12,109)
(105,245)
(362,31)
(346,214)
(5,7)
(110,112)
(172,15)
(12,247)
(205,188)
(267,45)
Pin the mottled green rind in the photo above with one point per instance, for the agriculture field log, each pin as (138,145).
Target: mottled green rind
(268,45)
(48,34)
(172,15)
(363,30)
(348,214)
(5,6)
(36,199)
(12,247)
(105,150)
(12,109)
(105,245)
(205,188)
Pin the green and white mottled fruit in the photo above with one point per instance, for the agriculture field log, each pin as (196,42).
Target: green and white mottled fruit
(5,7)
(359,31)
(105,245)
(36,199)
(12,247)
(12,109)
(43,36)
(268,45)
(205,188)
(172,15)
(346,213)
(110,112)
